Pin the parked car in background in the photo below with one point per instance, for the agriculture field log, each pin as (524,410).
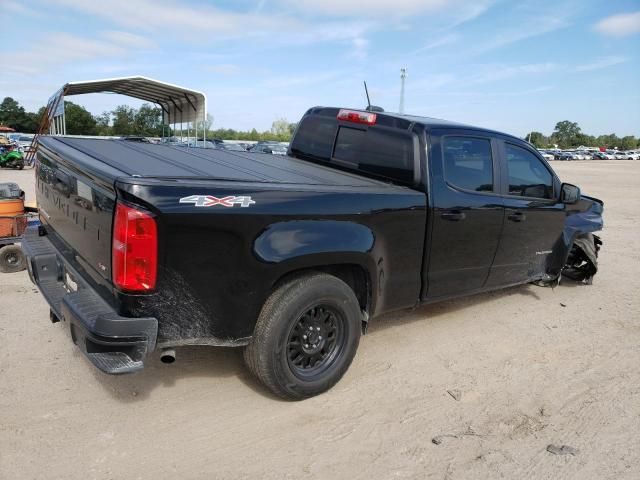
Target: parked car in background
(566,155)
(233,147)
(274,148)
(204,143)
(631,155)
(132,138)
(546,155)
(24,142)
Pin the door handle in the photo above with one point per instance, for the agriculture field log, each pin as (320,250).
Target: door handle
(453,215)
(517,217)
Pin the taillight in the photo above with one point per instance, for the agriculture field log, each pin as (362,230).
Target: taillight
(356,116)
(134,254)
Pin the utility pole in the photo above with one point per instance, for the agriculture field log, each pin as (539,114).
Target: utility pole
(403,75)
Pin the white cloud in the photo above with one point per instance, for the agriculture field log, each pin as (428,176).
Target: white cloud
(282,82)
(368,8)
(493,73)
(127,39)
(438,42)
(620,25)
(224,68)
(56,49)
(359,48)
(176,19)
(466,12)
(599,64)
(534,27)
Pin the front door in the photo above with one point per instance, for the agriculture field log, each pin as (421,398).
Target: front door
(534,218)
(467,212)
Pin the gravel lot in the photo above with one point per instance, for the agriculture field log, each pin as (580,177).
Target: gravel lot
(530,366)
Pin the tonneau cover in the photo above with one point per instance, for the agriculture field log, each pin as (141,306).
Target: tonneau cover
(150,160)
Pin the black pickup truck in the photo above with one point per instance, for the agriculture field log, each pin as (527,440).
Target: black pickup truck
(149,247)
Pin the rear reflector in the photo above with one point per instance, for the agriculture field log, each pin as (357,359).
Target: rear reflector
(356,116)
(134,250)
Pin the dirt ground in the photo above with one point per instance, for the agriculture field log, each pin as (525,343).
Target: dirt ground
(532,367)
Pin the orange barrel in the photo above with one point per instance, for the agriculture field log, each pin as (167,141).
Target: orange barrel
(9,210)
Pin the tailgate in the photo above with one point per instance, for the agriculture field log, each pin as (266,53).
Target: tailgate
(76,203)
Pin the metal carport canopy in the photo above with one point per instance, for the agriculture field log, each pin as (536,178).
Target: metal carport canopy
(178,104)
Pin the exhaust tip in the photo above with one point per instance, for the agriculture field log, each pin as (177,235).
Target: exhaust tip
(168,356)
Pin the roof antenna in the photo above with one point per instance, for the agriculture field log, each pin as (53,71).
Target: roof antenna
(371,108)
(366,90)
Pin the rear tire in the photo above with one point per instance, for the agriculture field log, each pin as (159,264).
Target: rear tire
(12,259)
(306,336)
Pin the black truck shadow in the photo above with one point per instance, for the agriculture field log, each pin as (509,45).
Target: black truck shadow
(216,362)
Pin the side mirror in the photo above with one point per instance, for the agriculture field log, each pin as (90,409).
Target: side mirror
(569,193)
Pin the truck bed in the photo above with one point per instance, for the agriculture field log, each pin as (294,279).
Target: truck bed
(149,160)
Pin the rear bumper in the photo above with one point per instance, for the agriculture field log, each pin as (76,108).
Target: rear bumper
(114,344)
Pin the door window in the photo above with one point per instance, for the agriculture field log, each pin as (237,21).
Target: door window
(468,163)
(528,177)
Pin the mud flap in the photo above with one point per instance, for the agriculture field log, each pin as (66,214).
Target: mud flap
(582,262)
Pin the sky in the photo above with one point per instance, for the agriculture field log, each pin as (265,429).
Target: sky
(514,66)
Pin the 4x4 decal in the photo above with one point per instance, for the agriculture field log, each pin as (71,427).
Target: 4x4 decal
(210,201)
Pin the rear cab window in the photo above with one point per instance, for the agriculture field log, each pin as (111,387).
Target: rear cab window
(381,151)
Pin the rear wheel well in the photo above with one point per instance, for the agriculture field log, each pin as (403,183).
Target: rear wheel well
(353,275)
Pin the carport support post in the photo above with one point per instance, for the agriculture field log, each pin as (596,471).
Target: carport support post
(64,119)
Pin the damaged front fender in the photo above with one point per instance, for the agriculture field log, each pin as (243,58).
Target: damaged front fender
(582,262)
(581,245)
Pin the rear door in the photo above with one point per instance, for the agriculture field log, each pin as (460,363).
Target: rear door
(467,214)
(534,216)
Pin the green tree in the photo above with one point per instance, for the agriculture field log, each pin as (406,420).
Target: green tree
(78,120)
(566,134)
(123,120)
(13,115)
(628,143)
(609,141)
(280,127)
(148,121)
(586,140)
(103,121)
(538,139)
(253,135)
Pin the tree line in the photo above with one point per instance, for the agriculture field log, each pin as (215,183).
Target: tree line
(147,121)
(568,134)
(125,120)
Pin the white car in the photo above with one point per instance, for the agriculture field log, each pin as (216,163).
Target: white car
(24,142)
(631,155)
(547,155)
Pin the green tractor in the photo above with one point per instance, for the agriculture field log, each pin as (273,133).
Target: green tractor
(11,157)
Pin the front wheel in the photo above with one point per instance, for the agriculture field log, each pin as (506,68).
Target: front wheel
(306,336)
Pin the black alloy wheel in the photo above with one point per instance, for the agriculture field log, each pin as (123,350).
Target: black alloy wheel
(315,340)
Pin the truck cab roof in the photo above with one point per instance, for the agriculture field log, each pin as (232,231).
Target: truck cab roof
(428,123)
